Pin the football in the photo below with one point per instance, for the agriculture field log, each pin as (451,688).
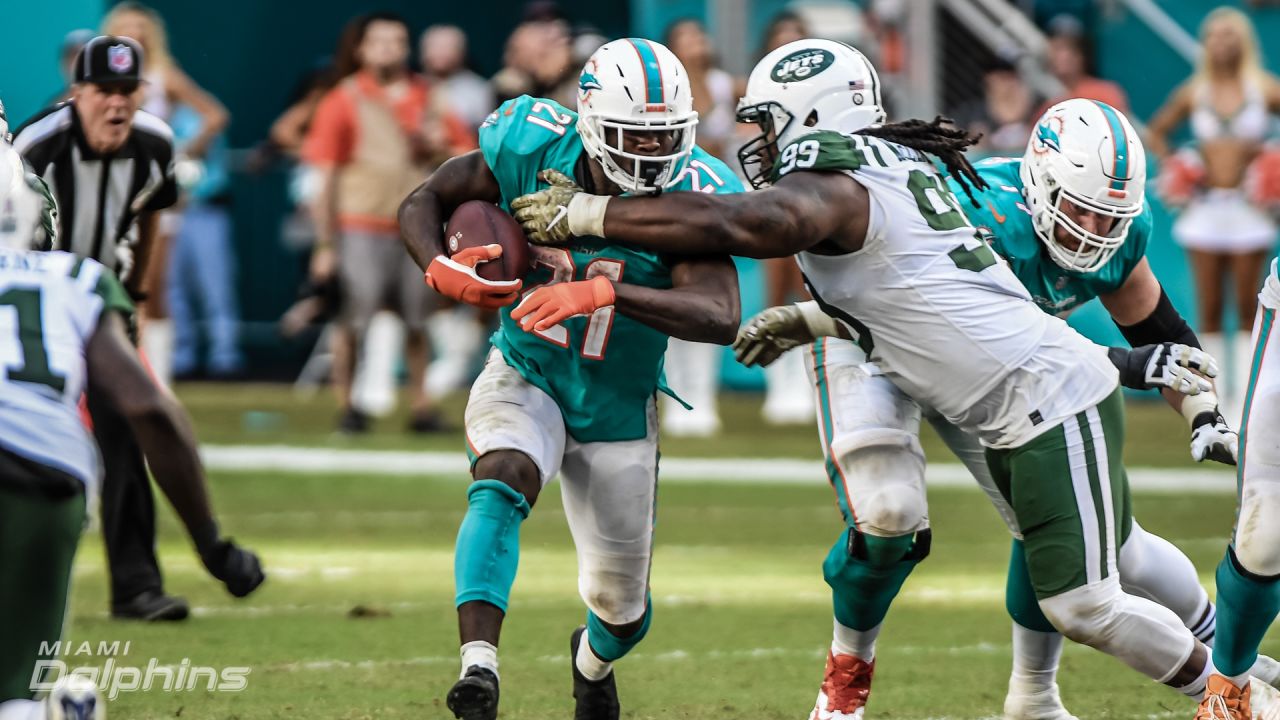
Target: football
(476,223)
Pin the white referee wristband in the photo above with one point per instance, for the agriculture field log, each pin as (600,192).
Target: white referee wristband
(586,214)
(819,323)
(1194,405)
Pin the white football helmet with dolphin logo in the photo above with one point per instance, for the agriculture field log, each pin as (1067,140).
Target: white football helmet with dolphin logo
(1086,153)
(629,86)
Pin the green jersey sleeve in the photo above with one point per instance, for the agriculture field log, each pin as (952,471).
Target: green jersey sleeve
(522,137)
(819,150)
(112,293)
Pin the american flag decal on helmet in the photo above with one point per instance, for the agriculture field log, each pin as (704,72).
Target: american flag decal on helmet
(857,85)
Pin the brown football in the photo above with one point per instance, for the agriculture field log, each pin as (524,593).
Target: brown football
(475,223)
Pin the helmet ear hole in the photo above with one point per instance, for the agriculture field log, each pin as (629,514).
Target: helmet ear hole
(812,119)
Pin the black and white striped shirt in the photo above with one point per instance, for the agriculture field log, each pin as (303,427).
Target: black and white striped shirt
(100,196)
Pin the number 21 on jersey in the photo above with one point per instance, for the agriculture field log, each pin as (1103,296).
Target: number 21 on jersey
(596,338)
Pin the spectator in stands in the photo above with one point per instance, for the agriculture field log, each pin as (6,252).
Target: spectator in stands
(693,369)
(519,62)
(165,86)
(368,143)
(787,402)
(555,75)
(1003,113)
(1230,102)
(443,51)
(1068,58)
(202,292)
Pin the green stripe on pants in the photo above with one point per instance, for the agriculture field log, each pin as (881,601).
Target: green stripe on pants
(1071,523)
(38,538)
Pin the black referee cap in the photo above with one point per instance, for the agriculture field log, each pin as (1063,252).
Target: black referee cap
(109,59)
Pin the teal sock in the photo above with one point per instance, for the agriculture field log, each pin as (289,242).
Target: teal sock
(1247,605)
(488,548)
(865,573)
(609,647)
(1020,596)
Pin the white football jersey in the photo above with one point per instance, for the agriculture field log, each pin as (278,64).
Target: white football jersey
(50,304)
(938,312)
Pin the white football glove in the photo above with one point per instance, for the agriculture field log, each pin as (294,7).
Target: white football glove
(1216,441)
(1181,368)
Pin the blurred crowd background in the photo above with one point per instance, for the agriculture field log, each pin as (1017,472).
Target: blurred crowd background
(260,97)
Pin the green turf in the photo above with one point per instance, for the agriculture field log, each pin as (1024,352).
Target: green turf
(741,610)
(742,614)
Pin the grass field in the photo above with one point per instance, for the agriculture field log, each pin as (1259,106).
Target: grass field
(356,620)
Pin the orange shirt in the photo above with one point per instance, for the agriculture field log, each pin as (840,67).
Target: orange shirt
(372,139)
(1092,88)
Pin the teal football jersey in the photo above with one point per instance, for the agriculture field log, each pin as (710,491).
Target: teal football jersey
(602,370)
(1004,213)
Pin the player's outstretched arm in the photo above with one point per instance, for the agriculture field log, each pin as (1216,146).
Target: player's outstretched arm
(423,213)
(803,209)
(701,306)
(1147,318)
(167,441)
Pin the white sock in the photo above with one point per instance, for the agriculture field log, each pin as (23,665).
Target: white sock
(1266,669)
(1241,681)
(1035,659)
(858,643)
(479,652)
(589,664)
(1195,689)
(21,710)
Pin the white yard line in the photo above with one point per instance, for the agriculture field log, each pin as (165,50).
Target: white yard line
(1209,479)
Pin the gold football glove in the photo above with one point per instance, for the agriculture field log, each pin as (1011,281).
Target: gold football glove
(544,214)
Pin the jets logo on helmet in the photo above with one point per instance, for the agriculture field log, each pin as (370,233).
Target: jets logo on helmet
(801,65)
(1084,160)
(804,86)
(635,114)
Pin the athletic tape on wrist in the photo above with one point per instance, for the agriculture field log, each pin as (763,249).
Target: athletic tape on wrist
(586,214)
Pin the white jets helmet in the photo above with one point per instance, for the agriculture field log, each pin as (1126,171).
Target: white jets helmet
(803,86)
(26,218)
(636,86)
(1085,153)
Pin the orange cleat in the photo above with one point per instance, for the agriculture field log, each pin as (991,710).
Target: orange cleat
(1224,701)
(845,688)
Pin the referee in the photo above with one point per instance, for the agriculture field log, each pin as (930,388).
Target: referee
(110,167)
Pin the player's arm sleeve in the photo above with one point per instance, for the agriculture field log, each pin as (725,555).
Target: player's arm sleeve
(1164,324)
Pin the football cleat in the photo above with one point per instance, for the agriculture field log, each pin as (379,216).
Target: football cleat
(475,696)
(1224,701)
(1040,705)
(594,699)
(75,697)
(845,688)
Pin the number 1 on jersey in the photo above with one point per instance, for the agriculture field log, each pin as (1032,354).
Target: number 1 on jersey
(30,330)
(556,124)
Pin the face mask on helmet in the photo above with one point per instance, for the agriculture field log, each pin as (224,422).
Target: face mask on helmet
(1082,234)
(759,154)
(641,156)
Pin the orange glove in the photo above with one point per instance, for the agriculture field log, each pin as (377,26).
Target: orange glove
(456,277)
(549,305)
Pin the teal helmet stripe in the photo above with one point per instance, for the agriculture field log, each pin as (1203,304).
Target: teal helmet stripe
(1120,139)
(652,71)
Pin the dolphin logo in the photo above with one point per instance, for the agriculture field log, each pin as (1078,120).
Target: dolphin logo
(588,82)
(1048,137)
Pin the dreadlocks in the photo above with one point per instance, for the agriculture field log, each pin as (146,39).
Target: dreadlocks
(939,138)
